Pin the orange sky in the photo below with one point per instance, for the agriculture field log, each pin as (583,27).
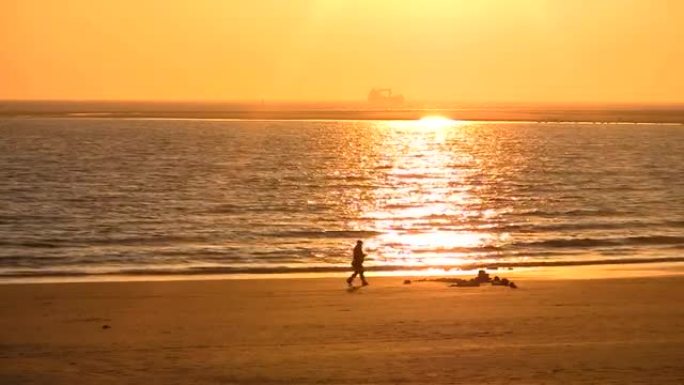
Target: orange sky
(606,51)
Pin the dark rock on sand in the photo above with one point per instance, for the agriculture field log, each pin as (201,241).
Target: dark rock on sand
(470,283)
(482,277)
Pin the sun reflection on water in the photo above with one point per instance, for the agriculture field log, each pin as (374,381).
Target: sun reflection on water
(424,197)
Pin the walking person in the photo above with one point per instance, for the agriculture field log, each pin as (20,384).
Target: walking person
(357,264)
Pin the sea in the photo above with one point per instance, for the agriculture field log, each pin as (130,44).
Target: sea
(103,197)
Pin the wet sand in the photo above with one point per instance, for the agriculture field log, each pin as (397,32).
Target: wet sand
(306,331)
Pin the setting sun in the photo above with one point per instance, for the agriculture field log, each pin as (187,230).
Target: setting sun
(437,122)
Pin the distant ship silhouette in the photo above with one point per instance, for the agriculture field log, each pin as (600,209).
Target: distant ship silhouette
(384,97)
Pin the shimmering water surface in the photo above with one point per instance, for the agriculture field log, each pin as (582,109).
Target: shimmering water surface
(101,196)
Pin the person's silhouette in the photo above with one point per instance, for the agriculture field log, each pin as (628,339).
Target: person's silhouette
(357,264)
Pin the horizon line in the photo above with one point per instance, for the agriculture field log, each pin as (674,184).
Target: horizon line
(407,104)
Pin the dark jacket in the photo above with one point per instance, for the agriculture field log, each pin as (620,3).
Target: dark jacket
(358,256)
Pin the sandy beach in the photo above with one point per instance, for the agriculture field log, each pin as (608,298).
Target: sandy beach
(306,331)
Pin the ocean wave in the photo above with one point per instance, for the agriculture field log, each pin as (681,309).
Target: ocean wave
(88,242)
(325,234)
(570,213)
(275,269)
(603,242)
(528,227)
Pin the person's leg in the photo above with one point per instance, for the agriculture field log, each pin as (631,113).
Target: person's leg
(351,277)
(363,278)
